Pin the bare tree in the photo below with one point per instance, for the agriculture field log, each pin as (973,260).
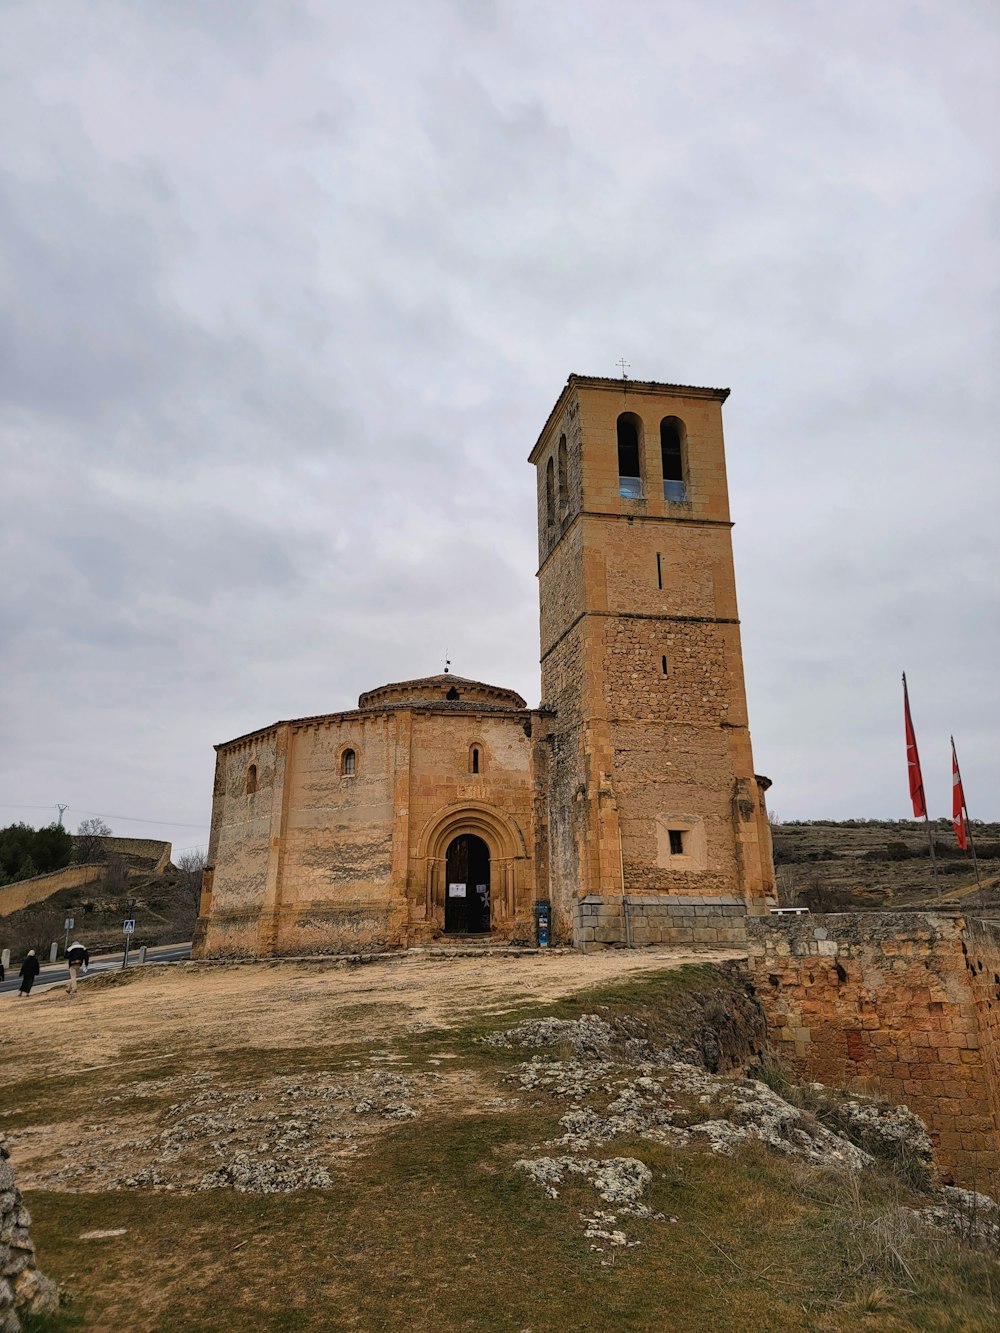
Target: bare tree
(116,875)
(88,845)
(190,866)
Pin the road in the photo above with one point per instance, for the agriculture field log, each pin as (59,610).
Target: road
(53,974)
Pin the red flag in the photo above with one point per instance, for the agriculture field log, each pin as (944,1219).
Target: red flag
(913,761)
(958,802)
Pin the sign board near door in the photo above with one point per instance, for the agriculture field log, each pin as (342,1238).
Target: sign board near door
(456,890)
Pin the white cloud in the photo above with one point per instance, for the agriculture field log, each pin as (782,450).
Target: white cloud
(287,292)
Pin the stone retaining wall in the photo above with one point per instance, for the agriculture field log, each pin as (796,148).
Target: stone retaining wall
(24,1291)
(642,919)
(25,892)
(899,1003)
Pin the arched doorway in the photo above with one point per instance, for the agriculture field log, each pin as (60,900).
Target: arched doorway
(467,886)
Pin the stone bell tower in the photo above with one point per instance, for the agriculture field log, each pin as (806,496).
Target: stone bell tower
(657,828)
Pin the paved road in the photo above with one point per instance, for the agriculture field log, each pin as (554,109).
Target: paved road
(56,973)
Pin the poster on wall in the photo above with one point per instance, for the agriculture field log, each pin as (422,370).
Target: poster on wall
(456,890)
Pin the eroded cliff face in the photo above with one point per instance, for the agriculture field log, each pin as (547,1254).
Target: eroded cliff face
(907,1003)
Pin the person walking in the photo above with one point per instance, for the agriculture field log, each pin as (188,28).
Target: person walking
(77,957)
(29,970)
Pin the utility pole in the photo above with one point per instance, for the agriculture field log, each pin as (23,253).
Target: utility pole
(62,810)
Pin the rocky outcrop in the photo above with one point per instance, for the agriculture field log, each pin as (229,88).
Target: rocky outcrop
(23,1289)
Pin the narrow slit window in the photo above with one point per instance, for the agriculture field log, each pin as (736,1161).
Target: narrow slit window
(676,842)
(663,665)
(349,763)
(659,571)
(550,493)
(672,456)
(474,760)
(251,779)
(629,473)
(563,476)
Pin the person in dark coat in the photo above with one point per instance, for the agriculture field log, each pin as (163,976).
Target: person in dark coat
(77,957)
(29,970)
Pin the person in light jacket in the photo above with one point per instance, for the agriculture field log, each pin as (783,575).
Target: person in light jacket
(77,957)
(29,970)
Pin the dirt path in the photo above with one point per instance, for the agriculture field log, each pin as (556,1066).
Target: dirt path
(209,1007)
(262,1075)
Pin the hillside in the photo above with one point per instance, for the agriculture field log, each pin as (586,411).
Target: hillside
(164,907)
(548,1142)
(857,864)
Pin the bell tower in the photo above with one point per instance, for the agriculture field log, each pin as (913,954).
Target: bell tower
(657,828)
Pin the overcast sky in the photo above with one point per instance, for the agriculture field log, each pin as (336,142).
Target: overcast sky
(288,289)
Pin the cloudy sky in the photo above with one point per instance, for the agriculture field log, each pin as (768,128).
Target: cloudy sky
(287,290)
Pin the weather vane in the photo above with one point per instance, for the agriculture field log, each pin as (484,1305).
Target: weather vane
(447,662)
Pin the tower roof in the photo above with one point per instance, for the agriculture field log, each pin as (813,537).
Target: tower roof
(632,386)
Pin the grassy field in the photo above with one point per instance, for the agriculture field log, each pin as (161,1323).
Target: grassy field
(427,1225)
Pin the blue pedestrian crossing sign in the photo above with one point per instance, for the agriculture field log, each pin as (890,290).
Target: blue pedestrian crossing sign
(129,927)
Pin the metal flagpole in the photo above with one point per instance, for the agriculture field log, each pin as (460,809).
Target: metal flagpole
(968,821)
(923,796)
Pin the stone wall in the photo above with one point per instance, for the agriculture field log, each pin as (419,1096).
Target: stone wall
(306,857)
(153,850)
(24,1291)
(904,1004)
(35,890)
(639,920)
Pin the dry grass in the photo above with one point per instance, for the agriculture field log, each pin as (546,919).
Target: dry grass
(430,1229)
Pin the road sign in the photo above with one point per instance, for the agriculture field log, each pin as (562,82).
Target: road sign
(129,927)
(69,923)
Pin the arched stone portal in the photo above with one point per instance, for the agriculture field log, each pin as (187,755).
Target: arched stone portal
(467,876)
(506,856)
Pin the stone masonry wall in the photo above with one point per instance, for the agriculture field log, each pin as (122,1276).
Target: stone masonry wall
(888,1001)
(982,962)
(644,919)
(35,890)
(24,1291)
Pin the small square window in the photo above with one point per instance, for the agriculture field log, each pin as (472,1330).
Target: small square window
(676,842)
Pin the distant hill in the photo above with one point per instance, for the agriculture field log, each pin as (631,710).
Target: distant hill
(857,863)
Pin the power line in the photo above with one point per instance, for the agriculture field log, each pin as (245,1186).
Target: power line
(134,819)
(99,814)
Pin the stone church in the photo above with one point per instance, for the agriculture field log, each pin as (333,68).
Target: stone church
(446,807)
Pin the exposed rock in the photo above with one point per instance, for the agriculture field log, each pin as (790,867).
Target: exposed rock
(253,1176)
(24,1291)
(587,1036)
(975,1218)
(890,1133)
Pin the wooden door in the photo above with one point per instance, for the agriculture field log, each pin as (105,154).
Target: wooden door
(467,887)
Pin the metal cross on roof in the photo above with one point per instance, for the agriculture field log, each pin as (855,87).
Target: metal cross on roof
(625,365)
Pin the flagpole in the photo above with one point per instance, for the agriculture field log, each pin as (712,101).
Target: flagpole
(923,796)
(968,821)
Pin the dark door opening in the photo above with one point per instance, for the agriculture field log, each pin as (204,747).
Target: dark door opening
(467,887)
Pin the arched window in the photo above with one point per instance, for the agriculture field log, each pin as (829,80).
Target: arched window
(251,779)
(348,763)
(475,759)
(672,453)
(629,451)
(550,493)
(563,476)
